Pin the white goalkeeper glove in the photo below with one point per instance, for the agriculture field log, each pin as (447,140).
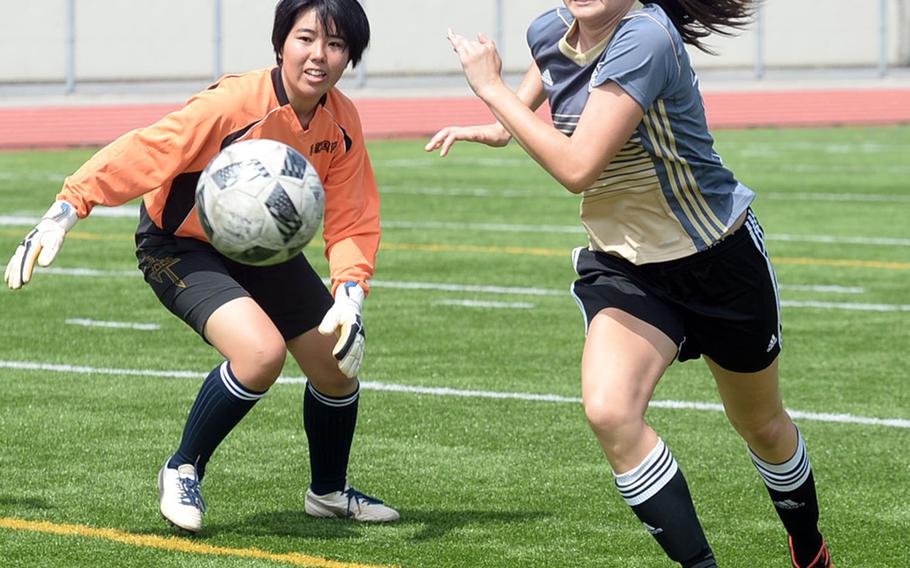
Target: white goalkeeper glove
(41,244)
(343,319)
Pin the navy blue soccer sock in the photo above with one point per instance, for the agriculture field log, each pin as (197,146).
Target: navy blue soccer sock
(792,490)
(658,494)
(329,424)
(221,403)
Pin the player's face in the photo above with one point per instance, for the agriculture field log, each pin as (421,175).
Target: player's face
(593,10)
(313,60)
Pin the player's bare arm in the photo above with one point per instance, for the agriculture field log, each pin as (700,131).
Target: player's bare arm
(531,94)
(609,118)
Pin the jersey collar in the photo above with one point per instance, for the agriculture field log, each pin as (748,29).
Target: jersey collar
(583,58)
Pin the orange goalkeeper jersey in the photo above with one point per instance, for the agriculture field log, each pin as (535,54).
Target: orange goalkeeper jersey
(162,163)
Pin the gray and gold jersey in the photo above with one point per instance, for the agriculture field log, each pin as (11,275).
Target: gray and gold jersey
(666,194)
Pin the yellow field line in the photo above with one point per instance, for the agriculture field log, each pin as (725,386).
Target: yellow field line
(174,544)
(528,251)
(843,262)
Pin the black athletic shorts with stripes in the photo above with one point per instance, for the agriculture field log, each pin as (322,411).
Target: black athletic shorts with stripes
(721,302)
(192,280)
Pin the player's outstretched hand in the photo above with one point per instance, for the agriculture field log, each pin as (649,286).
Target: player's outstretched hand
(41,244)
(480,61)
(490,134)
(343,319)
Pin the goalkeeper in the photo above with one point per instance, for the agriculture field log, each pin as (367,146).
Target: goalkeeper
(252,315)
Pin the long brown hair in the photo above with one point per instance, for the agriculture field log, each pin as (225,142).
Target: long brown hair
(697,19)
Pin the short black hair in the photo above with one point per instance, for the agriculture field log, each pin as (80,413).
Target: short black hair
(345,18)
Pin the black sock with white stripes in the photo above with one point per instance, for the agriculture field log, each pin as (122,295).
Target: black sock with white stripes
(658,494)
(792,490)
(221,403)
(329,423)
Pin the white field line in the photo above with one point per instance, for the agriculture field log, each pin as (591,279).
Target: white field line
(91,272)
(519,291)
(537,193)
(784,148)
(480,289)
(848,169)
(834,240)
(577,230)
(31,217)
(431,161)
(488,227)
(485,304)
(845,306)
(35,176)
(823,289)
(18,220)
(25,220)
(557,193)
(836,418)
(113,324)
(836,197)
(752,149)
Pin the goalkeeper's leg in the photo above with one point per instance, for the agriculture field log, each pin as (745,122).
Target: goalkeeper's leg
(330,408)
(255,354)
(623,360)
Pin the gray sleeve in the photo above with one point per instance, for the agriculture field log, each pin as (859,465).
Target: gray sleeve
(642,59)
(543,31)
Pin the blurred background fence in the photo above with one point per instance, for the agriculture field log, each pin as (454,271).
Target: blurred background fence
(74,41)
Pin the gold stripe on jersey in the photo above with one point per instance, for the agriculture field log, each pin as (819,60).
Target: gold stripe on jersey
(684,164)
(626,213)
(679,175)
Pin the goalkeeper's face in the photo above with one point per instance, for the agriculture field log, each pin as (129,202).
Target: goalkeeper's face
(313,60)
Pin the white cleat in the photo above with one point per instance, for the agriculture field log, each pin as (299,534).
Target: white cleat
(349,504)
(181,503)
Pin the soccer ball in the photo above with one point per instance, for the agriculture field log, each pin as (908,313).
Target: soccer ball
(260,202)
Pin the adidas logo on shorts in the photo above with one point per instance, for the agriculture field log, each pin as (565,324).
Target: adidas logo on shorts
(772,343)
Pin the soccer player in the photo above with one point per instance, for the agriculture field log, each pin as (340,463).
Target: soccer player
(675,266)
(252,315)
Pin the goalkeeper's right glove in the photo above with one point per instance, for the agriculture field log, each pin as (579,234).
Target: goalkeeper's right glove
(41,244)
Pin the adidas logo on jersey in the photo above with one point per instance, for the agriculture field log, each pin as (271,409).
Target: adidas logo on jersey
(546,78)
(772,343)
(788,504)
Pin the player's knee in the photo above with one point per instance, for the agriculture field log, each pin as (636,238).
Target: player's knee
(260,363)
(764,431)
(330,381)
(606,418)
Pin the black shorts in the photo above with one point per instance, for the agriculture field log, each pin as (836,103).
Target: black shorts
(722,302)
(192,280)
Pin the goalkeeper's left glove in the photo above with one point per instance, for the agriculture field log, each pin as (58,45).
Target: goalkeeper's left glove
(343,319)
(41,244)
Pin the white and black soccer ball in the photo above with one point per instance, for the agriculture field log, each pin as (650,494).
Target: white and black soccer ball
(260,202)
